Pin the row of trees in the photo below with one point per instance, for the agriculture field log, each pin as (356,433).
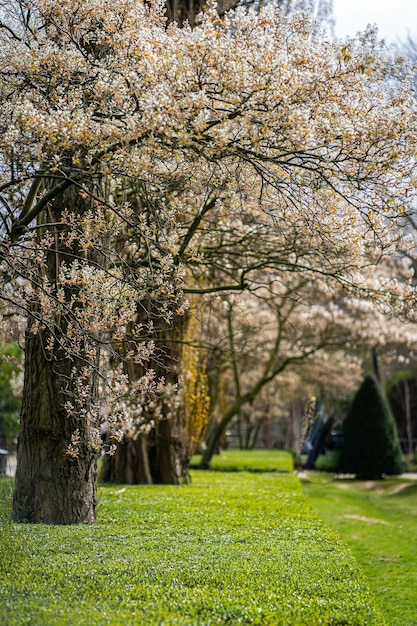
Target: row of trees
(181,205)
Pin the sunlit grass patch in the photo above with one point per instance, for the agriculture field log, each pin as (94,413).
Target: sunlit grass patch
(234,460)
(231,548)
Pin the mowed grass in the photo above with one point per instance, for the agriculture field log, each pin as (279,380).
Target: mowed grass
(378,520)
(234,460)
(231,548)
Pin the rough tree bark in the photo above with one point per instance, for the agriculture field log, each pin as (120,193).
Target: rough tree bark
(168,455)
(157,459)
(50,486)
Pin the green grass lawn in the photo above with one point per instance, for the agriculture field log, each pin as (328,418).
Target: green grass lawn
(234,460)
(378,521)
(231,548)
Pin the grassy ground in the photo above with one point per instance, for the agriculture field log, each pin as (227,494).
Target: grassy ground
(231,548)
(378,521)
(234,460)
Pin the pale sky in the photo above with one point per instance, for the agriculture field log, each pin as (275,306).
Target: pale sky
(395,18)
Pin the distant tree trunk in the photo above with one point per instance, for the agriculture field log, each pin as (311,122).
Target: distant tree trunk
(249,430)
(256,432)
(211,443)
(292,432)
(266,432)
(407,402)
(239,431)
(161,457)
(187,10)
(50,486)
(129,465)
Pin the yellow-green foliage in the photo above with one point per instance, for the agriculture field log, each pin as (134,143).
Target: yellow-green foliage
(195,384)
(231,548)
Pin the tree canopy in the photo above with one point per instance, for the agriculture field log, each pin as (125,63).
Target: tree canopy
(141,161)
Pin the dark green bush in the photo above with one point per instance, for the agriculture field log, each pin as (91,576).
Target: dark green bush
(371,447)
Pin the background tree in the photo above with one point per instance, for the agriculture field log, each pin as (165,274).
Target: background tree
(409,47)
(321,335)
(181,11)
(401,390)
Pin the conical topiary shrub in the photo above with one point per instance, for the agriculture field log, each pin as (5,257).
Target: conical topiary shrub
(371,446)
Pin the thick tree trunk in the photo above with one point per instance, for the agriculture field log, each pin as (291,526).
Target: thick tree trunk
(169,457)
(162,456)
(51,486)
(129,465)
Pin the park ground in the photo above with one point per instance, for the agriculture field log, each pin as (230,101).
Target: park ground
(234,547)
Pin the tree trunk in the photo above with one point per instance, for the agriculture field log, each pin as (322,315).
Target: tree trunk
(239,431)
(266,433)
(51,486)
(158,459)
(256,432)
(249,430)
(407,402)
(162,457)
(169,459)
(211,443)
(130,463)
(181,10)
